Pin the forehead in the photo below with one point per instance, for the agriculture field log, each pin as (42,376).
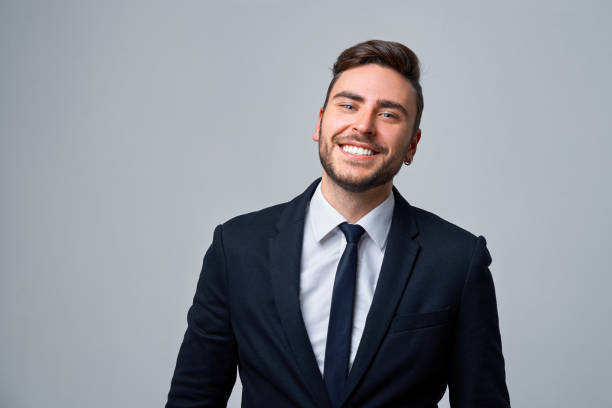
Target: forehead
(375,82)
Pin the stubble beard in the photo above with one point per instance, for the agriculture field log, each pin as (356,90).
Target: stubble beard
(383,174)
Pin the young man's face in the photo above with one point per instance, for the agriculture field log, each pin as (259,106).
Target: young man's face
(365,132)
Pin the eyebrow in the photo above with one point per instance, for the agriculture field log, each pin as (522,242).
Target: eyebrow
(380,102)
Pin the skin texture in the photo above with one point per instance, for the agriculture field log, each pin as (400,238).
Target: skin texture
(371,107)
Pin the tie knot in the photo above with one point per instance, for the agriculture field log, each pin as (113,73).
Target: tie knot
(352,232)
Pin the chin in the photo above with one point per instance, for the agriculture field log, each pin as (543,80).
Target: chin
(357,184)
(373,178)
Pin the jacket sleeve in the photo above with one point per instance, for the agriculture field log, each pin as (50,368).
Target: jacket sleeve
(206,365)
(477,377)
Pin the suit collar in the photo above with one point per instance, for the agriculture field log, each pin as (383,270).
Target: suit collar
(295,210)
(285,255)
(400,256)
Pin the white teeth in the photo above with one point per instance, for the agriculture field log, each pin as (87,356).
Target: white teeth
(357,150)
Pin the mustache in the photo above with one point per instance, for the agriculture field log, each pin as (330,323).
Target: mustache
(357,138)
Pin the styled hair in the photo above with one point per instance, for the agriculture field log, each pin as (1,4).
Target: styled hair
(387,54)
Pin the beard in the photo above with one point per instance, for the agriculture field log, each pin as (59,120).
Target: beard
(380,176)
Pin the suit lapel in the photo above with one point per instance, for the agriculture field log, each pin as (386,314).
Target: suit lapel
(400,255)
(285,256)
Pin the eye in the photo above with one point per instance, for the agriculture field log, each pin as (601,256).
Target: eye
(388,115)
(347,106)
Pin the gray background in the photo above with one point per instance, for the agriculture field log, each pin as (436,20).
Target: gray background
(130,129)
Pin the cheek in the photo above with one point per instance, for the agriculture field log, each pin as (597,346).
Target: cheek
(400,141)
(334,124)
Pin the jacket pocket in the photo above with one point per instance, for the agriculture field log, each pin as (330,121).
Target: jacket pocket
(415,321)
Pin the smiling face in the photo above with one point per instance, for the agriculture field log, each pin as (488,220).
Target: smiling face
(366,130)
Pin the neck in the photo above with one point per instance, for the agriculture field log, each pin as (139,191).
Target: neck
(353,205)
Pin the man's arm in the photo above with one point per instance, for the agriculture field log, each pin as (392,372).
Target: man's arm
(478,376)
(206,365)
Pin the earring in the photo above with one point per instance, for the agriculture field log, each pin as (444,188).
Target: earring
(407,162)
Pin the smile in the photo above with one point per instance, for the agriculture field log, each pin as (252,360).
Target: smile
(357,151)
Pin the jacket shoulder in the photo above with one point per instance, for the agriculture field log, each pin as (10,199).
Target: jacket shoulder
(254,222)
(252,229)
(445,234)
(445,245)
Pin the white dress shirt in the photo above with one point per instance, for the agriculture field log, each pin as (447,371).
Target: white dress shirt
(322,248)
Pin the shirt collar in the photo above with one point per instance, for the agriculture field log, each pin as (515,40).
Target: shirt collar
(325,218)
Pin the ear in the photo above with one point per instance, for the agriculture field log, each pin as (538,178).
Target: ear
(413,146)
(315,135)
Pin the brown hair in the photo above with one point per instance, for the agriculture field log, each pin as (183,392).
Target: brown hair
(387,54)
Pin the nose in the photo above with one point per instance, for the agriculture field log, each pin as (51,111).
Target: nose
(365,122)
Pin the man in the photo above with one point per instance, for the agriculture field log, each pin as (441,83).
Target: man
(347,295)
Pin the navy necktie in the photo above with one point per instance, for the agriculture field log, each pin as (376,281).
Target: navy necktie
(338,346)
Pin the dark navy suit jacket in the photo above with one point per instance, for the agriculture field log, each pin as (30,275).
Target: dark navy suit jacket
(433,320)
